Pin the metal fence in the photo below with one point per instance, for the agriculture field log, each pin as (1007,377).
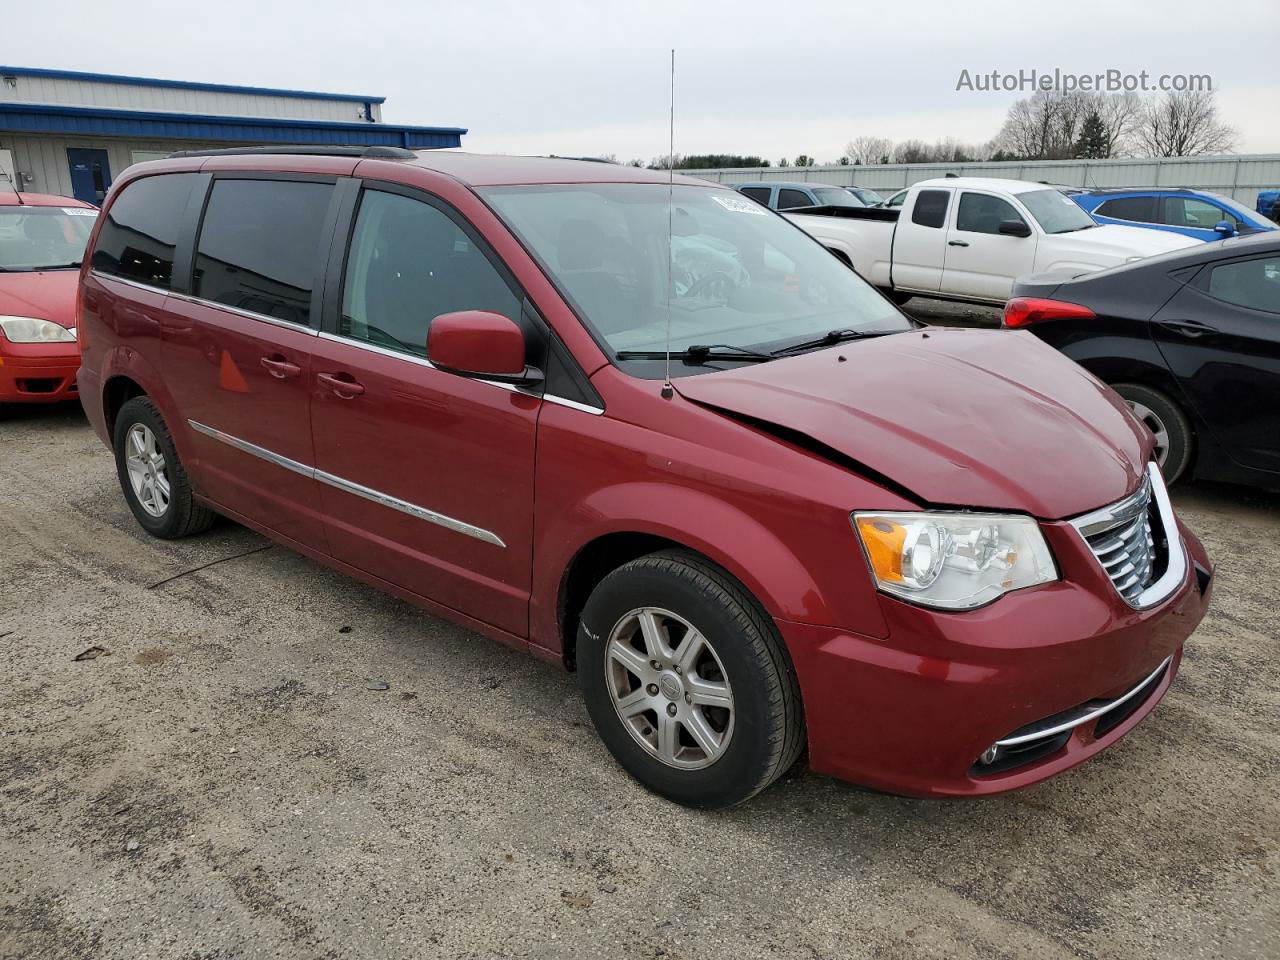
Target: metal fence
(1238,177)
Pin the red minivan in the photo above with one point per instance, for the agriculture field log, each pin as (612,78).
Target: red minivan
(654,432)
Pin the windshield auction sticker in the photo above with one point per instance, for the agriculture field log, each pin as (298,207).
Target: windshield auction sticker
(79,211)
(740,205)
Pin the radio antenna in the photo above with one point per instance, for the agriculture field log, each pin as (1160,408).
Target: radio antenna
(667,390)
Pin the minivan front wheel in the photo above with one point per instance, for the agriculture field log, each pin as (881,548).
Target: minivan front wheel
(687,681)
(152,478)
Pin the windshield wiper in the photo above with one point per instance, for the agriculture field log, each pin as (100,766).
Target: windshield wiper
(1087,226)
(700,353)
(73,265)
(830,338)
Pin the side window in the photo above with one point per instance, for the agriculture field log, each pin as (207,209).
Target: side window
(896,200)
(408,263)
(788,198)
(140,230)
(1133,209)
(931,208)
(979,213)
(260,246)
(1190,212)
(758,194)
(1248,283)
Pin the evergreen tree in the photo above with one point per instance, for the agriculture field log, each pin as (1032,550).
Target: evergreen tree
(1092,143)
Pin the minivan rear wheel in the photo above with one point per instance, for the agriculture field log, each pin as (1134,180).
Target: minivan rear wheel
(153,480)
(1167,423)
(687,681)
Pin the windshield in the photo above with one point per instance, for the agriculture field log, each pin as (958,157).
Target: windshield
(868,197)
(1055,212)
(732,271)
(43,238)
(836,197)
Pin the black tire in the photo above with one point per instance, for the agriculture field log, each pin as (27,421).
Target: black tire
(1162,412)
(182,516)
(768,719)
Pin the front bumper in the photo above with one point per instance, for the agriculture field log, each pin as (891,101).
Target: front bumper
(38,372)
(912,713)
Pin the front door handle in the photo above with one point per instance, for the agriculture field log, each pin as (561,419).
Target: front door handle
(279,367)
(343,384)
(957,243)
(1188,328)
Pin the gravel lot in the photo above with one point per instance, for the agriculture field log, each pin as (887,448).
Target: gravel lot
(223,782)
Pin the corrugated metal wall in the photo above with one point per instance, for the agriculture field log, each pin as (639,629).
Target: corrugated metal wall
(1238,177)
(28,89)
(46,157)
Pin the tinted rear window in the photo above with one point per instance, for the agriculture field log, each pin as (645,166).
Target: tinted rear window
(141,229)
(931,208)
(758,194)
(789,199)
(1133,209)
(260,246)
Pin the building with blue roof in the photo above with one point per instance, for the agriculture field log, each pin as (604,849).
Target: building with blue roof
(68,132)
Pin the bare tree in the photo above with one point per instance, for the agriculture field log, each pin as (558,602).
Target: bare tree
(869,150)
(1120,113)
(1044,126)
(1183,124)
(912,151)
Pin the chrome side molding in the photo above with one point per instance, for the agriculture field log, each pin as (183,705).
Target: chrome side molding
(351,487)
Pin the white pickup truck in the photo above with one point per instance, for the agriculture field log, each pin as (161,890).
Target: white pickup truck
(968,238)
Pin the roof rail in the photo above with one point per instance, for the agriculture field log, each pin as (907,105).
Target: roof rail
(380,153)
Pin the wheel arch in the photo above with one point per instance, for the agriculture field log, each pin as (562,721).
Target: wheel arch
(713,530)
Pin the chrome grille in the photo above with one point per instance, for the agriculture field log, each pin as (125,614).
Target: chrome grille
(1128,553)
(1129,539)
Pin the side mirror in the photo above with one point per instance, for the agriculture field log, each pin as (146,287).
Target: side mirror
(1223,228)
(1014,228)
(480,344)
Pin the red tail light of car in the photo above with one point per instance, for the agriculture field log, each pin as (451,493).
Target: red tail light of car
(1024,311)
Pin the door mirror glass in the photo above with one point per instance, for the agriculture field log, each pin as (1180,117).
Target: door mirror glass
(1014,228)
(478,343)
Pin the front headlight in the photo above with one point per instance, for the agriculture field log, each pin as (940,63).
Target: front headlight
(955,561)
(35,330)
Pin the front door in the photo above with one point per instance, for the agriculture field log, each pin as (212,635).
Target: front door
(238,350)
(1220,335)
(90,174)
(426,477)
(982,262)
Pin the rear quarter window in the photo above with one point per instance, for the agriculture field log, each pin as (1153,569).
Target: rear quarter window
(140,229)
(931,208)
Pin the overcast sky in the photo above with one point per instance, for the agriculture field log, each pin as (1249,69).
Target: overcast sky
(591,77)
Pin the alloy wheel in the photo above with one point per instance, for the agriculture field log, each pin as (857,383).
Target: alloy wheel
(1156,426)
(148,472)
(669,688)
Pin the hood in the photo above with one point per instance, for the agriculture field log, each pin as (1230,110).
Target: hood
(1120,243)
(48,295)
(965,418)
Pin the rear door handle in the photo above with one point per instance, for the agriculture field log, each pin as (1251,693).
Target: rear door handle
(1188,328)
(280,368)
(957,243)
(343,384)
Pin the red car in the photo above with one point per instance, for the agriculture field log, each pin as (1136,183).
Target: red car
(943,560)
(42,241)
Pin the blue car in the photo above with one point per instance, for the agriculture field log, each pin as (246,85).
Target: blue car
(1193,213)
